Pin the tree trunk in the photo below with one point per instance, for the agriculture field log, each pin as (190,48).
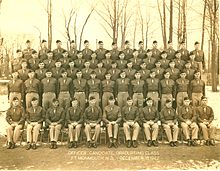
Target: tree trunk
(114,21)
(203,25)
(49,12)
(184,19)
(171,21)
(164,25)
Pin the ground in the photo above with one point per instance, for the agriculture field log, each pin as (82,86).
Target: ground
(102,158)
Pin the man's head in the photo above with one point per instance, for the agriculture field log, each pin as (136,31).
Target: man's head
(107,54)
(34,102)
(55,102)
(129,101)
(121,55)
(141,44)
(123,74)
(101,44)
(64,73)
(155,44)
(168,103)
(197,74)
(34,54)
(15,102)
(31,74)
(92,101)
(196,45)
(114,45)
(166,75)
(127,44)
(186,101)
(14,74)
(149,101)
(48,73)
(28,44)
(19,53)
(58,63)
(41,64)
(183,74)
(204,100)
(170,44)
(152,74)
(111,100)
(74,102)
(50,55)
(86,44)
(163,54)
(149,53)
(65,54)
(137,75)
(79,74)
(58,43)
(108,76)
(93,75)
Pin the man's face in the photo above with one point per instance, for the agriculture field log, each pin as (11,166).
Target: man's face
(100,65)
(108,55)
(169,105)
(55,104)
(192,57)
(127,45)
(79,74)
(152,75)
(158,64)
(50,55)
(87,64)
(19,54)
(130,65)
(122,56)
(15,75)
(71,64)
(149,102)
(164,55)
(137,75)
(197,75)
(130,102)
(34,103)
(167,75)
(31,74)
(72,45)
(93,76)
(186,102)
(79,55)
(188,65)
(135,53)
(155,45)
(59,44)
(64,74)
(28,45)
(35,55)
(74,103)
(172,64)
(86,45)
(48,74)
(178,55)
(114,65)
(183,75)
(141,45)
(65,55)
(183,45)
(93,55)
(24,64)
(41,65)
(44,44)
(101,45)
(114,46)
(15,103)
(197,46)
(204,102)
(149,53)
(92,102)
(108,76)
(58,64)
(170,45)
(143,66)
(111,102)
(123,75)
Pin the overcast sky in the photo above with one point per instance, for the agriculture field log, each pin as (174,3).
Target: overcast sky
(21,16)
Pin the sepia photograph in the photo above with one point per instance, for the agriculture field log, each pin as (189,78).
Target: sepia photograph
(109,85)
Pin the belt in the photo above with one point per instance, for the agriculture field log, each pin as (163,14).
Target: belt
(48,92)
(66,92)
(79,92)
(153,92)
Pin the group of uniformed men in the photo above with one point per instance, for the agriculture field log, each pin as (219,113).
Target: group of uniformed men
(55,86)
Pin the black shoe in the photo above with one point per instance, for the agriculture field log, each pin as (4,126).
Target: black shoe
(175,143)
(75,145)
(189,142)
(171,144)
(55,145)
(70,144)
(129,143)
(34,146)
(193,143)
(207,142)
(89,144)
(9,145)
(155,144)
(51,144)
(13,145)
(212,142)
(134,144)
(149,143)
(110,144)
(94,145)
(115,144)
(28,147)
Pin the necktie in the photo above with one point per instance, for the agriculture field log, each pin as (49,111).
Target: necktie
(64,81)
(113,71)
(167,82)
(48,80)
(74,111)
(187,71)
(34,110)
(111,108)
(54,111)
(152,80)
(187,109)
(138,82)
(182,81)
(204,109)
(86,70)
(93,82)
(79,81)
(41,71)
(169,111)
(92,110)
(149,109)
(13,81)
(100,71)
(135,60)
(14,109)
(30,81)
(129,109)
(158,71)
(107,82)
(122,81)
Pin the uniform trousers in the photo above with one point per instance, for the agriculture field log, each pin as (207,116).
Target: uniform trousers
(74,131)
(169,129)
(47,99)
(127,130)
(35,128)
(88,128)
(186,132)
(122,99)
(13,132)
(208,131)
(112,130)
(54,132)
(147,130)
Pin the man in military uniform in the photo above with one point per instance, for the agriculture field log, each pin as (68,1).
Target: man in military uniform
(23,72)
(57,69)
(122,89)
(114,71)
(168,119)
(182,89)
(199,57)
(73,50)
(114,52)
(187,118)
(112,119)
(65,59)
(174,72)
(149,116)
(49,90)
(108,89)
(128,51)
(135,60)
(71,71)
(74,119)
(138,90)
(149,60)
(166,89)
(64,90)
(141,51)
(107,62)
(92,119)
(121,62)
(41,71)
(28,51)
(86,71)
(94,61)
(34,60)
(49,62)
(130,71)
(86,52)
(130,117)
(32,88)
(184,52)
(79,62)
(197,89)
(156,52)
(158,70)
(145,73)
(189,71)
(194,64)
(152,88)
(100,71)
(43,50)
(164,61)
(16,61)
(205,120)
(15,88)
(35,116)
(170,51)
(80,89)
(179,63)
(100,51)
(15,117)
(55,119)
(57,53)
(94,87)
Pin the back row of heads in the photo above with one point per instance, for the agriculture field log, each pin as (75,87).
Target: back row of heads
(113,43)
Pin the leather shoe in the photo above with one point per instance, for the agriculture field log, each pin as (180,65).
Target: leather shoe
(55,145)
(75,145)
(51,145)
(155,144)
(115,144)
(207,143)
(171,144)
(9,145)
(28,147)
(94,145)
(189,142)
(89,145)
(70,144)
(13,145)
(212,142)
(134,144)
(194,143)
(34,146)
(175,143)
(110,144)
(129,143)
(149,143)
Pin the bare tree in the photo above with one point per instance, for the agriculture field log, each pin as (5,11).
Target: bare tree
(49,16)
(203,24)
(171,21)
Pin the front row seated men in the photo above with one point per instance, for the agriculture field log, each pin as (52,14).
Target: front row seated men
(187,115)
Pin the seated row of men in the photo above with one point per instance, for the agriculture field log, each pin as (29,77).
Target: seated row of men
(131,117)
(120,87)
